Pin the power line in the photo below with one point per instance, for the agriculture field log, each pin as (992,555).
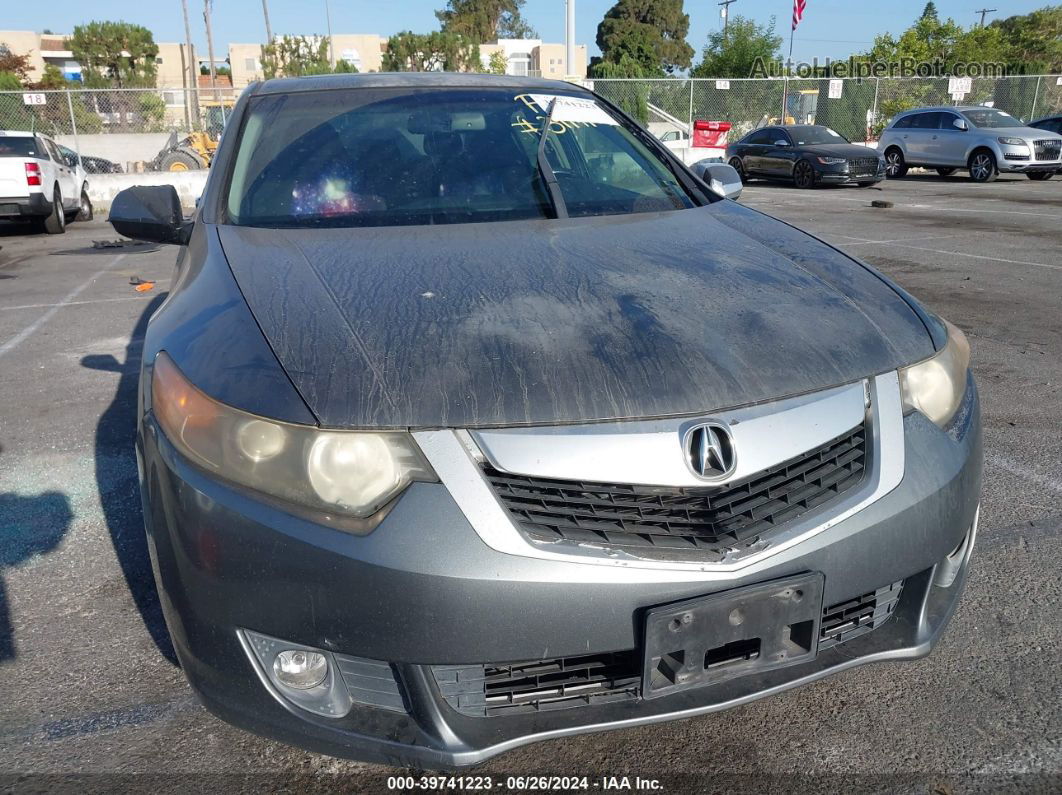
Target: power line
(726,15)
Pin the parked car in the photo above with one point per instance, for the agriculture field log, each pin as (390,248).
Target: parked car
(487,441)
(38,183)
(985,141)
(807,154)
(1050,124)
(100,165)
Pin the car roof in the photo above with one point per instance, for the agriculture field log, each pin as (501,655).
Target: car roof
(286,85)
(801,126)
(20,134)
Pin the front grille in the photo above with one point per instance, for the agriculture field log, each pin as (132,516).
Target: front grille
(1047,149)
(863,166)
(513,688)
(847,620)
(712,520)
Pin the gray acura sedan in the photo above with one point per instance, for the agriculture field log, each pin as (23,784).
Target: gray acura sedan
(474,419)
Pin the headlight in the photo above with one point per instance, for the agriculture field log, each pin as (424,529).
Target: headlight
(344,477)
(831,161)
(1013,142)
(936,386)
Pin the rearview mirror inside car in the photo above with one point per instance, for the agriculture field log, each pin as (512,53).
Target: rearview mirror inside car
(960,124)
(152,213)
(781,143)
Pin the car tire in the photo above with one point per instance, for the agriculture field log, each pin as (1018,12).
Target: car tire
(804,174)
(55,222)
(982,166)
(895,164)
(946,172)
(84,212)
(735,163)
(1039,175)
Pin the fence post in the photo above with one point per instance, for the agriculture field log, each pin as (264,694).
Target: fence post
(874,110)
(785,96)
(1036,96)
(689,129)
(73,126)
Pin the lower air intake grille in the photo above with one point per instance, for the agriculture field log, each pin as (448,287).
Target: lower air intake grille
(708,520)
(513,688)
(847,620)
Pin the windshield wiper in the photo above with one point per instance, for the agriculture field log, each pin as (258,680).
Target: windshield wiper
(546,170)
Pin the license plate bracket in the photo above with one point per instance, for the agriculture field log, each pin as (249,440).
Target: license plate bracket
(745,631)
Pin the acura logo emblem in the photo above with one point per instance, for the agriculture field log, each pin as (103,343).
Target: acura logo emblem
(710,451)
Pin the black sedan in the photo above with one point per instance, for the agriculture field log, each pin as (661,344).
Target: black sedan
(1051,124)
(808,154)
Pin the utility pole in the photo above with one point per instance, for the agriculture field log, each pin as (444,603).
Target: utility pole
(331,45)
(569,39)
(269,30)
(210,49)
(982,12)
(191,72)
(725,12)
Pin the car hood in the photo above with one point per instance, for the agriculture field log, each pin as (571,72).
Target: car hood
(559,321)
(1017,132)
(839,150)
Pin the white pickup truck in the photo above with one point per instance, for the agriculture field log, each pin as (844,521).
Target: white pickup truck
(41,183)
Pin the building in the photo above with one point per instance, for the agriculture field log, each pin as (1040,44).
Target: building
(535,58)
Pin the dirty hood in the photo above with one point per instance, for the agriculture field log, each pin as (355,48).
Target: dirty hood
(558,321)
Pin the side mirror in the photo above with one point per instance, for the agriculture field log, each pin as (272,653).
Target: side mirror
(781,142)
(721,178)
(960,124)
(152,213)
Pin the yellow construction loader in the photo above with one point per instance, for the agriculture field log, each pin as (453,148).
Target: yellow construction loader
(195,150)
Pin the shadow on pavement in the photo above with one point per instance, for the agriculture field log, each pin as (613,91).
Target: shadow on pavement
(29,526)
(117,481)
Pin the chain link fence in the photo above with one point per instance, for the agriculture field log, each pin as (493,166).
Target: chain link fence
(858,108)
(125,129)
(177,129)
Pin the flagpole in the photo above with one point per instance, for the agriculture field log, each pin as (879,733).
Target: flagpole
(785,85)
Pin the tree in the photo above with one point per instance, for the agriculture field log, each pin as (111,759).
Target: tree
(734,56)
(497,64)
(52,79)
(1033,42)
(431,52)
(17,65)
(930,11)
(652,32)
(9,81)
(298,56)
(485,20)
(632,98)
(117,54)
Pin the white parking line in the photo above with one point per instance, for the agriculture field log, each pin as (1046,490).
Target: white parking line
(1012,466)
(33,327)
(863,241)
(138,297)
(964,254)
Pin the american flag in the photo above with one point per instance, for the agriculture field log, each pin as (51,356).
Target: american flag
(798,11)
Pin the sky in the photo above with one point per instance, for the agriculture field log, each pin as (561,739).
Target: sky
(831,28)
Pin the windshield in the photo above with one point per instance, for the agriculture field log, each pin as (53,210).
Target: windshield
(19,146)
(806,136)
(384,157)
(990,117)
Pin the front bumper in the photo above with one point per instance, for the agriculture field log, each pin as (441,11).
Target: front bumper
(424,590)
(841,174)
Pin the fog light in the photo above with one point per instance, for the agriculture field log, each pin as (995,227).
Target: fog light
(300,669)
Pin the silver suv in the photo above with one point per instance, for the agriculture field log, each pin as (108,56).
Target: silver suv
(984,140)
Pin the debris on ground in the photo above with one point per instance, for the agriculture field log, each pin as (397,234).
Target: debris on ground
(117,243)
(880,203)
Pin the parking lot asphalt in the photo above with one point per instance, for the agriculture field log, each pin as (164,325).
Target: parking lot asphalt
(88,683)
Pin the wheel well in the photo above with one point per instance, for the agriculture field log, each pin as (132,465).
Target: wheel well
(981,149)
(893,148)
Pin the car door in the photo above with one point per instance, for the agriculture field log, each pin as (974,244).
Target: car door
(920,136)
(753,149)
(948,144)
(780,155)
(65,175)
